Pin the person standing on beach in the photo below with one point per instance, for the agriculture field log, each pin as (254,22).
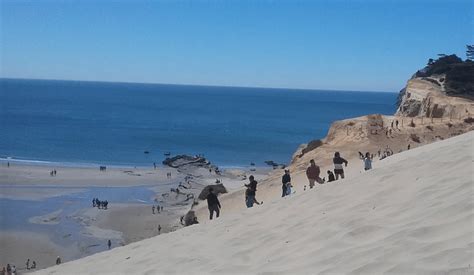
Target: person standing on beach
(154,165)
(338,169)
(153,209)
(109,243)
(58,261)
(286,183)
(250,195)
(213,203)
(28,264)
(312,173)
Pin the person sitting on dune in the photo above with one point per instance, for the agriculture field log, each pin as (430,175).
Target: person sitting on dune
(330,176)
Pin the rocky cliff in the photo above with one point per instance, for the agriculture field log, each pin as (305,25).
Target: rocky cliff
(443,89)
(437,103)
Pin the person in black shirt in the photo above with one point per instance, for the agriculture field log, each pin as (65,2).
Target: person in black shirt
(250,194)
(285,180)
(213,204)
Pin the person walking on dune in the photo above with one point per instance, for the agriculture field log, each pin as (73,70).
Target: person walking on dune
(338,168)
(213,203)
(312,172)
(250,195)
(367,161)
(285,180)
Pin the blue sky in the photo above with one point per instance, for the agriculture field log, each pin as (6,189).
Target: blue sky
(340,45)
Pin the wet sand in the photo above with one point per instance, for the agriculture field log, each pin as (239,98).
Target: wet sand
(123,223)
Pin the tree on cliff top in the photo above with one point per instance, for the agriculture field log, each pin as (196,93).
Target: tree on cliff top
(458,73)
(470,52)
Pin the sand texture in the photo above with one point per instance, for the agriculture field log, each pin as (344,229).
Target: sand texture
(413,213)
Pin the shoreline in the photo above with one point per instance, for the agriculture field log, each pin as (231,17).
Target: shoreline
(95,165)
(51,206)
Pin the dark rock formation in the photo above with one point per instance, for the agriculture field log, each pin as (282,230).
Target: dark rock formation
(274,164)
(183,160)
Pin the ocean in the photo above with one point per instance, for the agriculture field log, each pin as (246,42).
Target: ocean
(90,123)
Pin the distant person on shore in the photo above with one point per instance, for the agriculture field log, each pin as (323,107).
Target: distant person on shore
(159,229)
(153,209)
(109,243)
(33,266)
(58,260)
(250,195)
(396,123)
(8,164)
(331,176)
(408,147)
(285,180)
(312,173)
(367,161)
(213,203)
(338,168)
(28,264)
(154,165)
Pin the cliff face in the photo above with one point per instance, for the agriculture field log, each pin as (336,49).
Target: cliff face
(426,97)
(435,104)
(443,89)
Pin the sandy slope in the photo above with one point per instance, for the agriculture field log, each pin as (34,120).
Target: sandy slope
(414,213)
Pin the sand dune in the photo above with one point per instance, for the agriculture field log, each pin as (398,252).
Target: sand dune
(414,213)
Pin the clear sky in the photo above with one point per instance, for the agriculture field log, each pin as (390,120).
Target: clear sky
(342,45)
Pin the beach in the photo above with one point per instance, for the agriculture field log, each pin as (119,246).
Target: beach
(393,219)
(54,214)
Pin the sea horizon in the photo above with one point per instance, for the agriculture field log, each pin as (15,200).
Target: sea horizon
(84,123)
(198,85)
